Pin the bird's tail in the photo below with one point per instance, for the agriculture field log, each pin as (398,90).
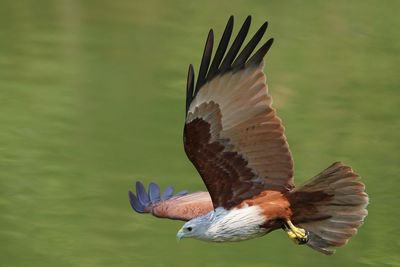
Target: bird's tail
(330,206)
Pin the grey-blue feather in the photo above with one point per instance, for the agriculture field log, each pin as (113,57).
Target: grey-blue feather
(142,201)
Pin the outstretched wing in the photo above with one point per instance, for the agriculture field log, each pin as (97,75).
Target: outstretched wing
(181,206)
(232,134)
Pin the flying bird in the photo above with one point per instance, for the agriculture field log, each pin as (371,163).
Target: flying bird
(236,141)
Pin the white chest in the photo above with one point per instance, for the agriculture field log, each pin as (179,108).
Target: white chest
(236,224)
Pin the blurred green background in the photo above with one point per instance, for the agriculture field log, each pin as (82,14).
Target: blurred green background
(92,99)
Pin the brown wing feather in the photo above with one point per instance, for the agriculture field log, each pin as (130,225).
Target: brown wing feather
(185,207)
(232,134)
(234,179)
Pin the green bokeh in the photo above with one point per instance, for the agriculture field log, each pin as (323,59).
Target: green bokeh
(92,99)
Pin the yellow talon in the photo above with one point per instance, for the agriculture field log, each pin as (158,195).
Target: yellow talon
(291,234)
(296,234)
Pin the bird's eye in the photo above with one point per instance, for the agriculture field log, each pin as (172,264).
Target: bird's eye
(189,229)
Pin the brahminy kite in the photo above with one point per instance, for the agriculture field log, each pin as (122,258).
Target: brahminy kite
(236,141)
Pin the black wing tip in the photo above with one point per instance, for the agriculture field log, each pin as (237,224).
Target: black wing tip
(189,86)
(205,61)
(244,55)
(258,56)
(231,61)
(233,51)
(263,27)
(248,19)
(143,200)
(220,52)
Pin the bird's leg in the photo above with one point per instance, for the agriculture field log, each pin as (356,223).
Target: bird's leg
(296,234)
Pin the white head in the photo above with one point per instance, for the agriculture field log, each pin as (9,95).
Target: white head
(196,228)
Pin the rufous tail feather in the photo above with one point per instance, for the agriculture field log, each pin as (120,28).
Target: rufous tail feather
(331,207)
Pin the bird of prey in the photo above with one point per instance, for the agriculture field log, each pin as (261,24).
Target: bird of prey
(236,141)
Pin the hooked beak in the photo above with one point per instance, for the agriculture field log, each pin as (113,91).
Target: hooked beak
(180,234)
